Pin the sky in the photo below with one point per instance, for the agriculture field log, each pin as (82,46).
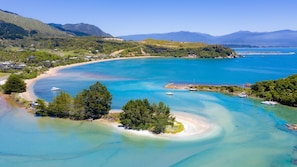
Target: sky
(127,17)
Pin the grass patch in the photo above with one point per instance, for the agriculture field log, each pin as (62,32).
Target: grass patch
(176,128)
(3,74)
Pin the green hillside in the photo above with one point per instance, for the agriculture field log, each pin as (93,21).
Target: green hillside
(11,31)
(29,24)
(186,49)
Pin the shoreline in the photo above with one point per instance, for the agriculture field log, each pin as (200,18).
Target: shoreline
(195,128)
(29,95)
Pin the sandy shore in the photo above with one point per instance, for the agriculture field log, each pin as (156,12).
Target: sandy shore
(196,128)
(29,95)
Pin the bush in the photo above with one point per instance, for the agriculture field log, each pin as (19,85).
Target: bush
(140,115)
(14,84)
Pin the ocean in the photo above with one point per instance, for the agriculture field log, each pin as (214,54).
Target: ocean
(251,134)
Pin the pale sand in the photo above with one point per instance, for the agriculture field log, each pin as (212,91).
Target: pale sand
(196,128)
(29,95)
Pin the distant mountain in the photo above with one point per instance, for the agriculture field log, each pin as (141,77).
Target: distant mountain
(81,29)
(241,38)
(29,24)
(275,38)
(172,36)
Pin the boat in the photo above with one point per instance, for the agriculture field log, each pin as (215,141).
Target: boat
(242,95)
(192,89)
(55,89)
(169,93)
(269,102)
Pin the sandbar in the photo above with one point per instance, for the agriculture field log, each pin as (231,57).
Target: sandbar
(195,128)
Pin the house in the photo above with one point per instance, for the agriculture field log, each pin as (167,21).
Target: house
(30,58)
(20,66)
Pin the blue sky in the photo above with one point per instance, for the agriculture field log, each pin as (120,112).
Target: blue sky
(126,17)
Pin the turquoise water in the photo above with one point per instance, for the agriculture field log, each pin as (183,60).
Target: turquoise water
(251,135)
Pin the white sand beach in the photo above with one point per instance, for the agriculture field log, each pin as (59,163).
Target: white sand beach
(195,128)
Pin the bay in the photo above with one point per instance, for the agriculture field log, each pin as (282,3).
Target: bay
(251,134)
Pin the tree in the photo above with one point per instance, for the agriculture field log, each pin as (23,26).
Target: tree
(78,112)
(41,108)
(139,114)
(92,103)
(14,84)
(283,90)
(61,106)
(96,100)
(161,117)
(136,114)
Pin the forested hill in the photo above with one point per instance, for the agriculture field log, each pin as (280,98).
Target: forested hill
(11,31)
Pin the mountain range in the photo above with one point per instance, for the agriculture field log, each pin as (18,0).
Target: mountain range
(15,26)
(80,29)
(242,38)
(10,19)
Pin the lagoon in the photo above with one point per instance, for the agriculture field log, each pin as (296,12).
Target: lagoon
(251,134)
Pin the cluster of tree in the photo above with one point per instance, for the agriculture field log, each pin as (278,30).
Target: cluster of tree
(35,58)
(14,84)
(228,89)
(11,31)
(210,51)
(283,91)
(90,103)
(82,45)
(141,115)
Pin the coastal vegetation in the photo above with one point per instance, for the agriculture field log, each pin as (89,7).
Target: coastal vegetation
(283,90)
(14,84)
(90,103)
(186,49)
(141,115)
(95,103)
(226,89)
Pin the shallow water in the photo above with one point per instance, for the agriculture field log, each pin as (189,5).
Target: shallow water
(251,134)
